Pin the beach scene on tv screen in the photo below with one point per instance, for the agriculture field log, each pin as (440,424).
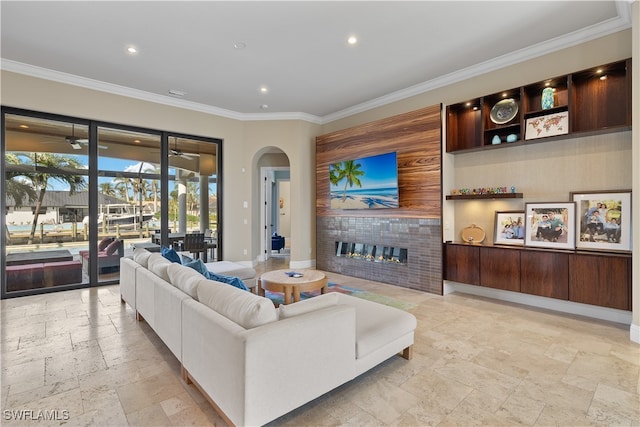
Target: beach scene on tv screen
(366,183)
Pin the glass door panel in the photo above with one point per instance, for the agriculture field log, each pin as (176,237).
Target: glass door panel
(128,212)
(46,182)
(193,191)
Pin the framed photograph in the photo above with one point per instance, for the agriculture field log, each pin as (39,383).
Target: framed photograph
(509,228)
(550,225)
(603,220)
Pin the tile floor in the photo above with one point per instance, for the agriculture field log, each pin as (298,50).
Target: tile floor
(476,362)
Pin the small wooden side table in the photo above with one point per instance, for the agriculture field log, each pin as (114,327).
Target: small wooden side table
(279,281)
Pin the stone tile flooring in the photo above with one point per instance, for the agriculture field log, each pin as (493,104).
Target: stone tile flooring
(476,362)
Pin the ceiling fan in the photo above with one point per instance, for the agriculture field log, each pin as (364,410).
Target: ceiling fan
(174,152)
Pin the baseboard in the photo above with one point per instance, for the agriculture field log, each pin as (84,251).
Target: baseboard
(593,311)
(634,333)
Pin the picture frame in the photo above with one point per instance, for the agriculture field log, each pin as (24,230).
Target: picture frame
(509,228)
(550,225)
(603,220)
(549,125)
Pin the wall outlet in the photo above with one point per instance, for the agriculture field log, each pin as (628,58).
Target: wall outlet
(244,251)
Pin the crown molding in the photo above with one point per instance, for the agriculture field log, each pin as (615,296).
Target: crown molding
(610,26)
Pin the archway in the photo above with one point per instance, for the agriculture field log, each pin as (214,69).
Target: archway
(274,200)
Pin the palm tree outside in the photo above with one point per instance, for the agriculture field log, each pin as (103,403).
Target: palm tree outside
(48,167)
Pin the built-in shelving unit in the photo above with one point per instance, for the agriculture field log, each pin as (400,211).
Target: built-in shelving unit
(596,100)
(591,102)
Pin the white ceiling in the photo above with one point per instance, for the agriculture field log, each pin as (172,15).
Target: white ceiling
(298,49)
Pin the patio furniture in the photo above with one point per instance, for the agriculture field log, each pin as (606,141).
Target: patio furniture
(195,243)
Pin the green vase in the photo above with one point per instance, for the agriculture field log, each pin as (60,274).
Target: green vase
(547,98)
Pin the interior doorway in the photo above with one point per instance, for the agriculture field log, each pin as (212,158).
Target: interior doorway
(275,217)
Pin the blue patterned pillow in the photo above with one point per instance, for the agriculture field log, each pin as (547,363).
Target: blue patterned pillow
(170,254)
(233,281)
(198,266)
(201,268)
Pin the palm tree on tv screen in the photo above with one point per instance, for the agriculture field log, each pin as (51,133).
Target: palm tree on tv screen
(348,170)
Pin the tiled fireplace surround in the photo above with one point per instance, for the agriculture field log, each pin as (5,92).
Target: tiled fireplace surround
(420,236)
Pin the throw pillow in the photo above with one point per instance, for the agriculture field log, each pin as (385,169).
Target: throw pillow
(170,254)
(104,243)
(233,281)
(112,247)
(198,266)
(186,259)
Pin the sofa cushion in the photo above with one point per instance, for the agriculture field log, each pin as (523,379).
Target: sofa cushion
(377,324)
(244,308)
(308,305)
(170,254)
(112,247)
(184,278)
(158,266)
(141,256)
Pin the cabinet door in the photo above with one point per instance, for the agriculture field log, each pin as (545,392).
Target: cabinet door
(545,274)
(500,268)
(600,280)
(462,263)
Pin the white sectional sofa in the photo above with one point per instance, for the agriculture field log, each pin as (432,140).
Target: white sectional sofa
(255,362)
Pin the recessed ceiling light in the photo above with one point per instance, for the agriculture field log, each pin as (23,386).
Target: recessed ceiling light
(24,126)
(239,45)
(264,89)
(264,106)
(132,50)
(352,40)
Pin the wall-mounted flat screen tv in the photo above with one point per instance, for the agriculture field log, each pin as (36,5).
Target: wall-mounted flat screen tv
(365,183)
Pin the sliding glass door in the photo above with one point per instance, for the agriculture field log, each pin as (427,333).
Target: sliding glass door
(193,201)
(129,191)
(46,183)
(80,195)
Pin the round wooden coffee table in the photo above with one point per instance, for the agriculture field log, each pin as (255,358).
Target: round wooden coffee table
(280,281)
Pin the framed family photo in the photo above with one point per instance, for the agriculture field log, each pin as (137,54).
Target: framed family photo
(509,228)
(603,220)
(550,225)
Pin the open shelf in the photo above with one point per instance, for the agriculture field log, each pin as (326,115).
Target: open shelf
(484,196)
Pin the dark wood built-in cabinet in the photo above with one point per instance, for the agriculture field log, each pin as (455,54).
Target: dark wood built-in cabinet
(597,100)
(460,264)
(500,268)
(545,274)
(589,278)
(600,280)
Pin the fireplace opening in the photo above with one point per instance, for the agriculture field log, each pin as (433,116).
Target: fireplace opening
(372,252)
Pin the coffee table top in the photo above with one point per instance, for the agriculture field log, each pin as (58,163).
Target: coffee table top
(281,276)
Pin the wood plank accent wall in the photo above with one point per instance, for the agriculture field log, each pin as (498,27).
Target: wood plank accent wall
(414,136)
